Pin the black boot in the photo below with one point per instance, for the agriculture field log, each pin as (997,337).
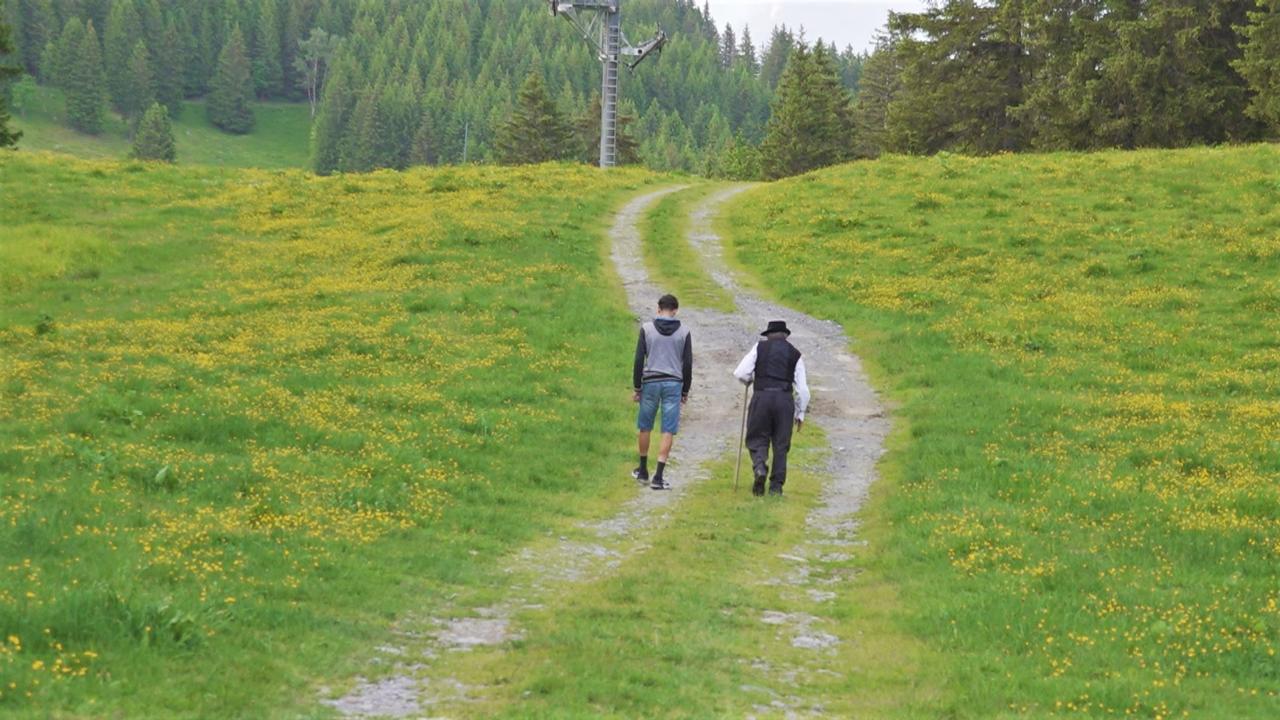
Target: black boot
(757,487)
(775,487)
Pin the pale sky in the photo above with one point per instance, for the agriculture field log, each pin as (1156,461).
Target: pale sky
(844,22)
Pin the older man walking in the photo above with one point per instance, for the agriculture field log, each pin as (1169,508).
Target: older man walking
(777,370)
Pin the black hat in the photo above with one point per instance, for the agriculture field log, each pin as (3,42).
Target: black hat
(776,326)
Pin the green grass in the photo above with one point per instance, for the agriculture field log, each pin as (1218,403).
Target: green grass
(676,630)
(672,263)
(247,418)
(1081,497)
(280,139)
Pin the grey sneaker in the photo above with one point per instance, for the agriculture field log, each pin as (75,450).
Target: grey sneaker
(641,476)
(659,484)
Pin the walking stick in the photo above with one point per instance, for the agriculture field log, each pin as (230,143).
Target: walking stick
(741,437)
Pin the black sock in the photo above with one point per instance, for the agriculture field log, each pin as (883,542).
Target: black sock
(658,475)
(644,463)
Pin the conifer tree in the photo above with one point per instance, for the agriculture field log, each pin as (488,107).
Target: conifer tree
(152,18)
(728,47)
(331,122)
(811,125)
(86,86)
(268,75)
(747,51)
(422,149)
(1260,64)
(123,31)
(65,50)
(739,161)
(879,85)
(49,60)
(169,80)
(34,25)
(536,131)
(963,67)
(230,103)
(154,138)
(290,35)
(11,17)
(366,122)
(781,45)
(137,88)
(8,137)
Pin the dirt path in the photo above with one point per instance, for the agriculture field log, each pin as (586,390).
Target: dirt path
(843,405)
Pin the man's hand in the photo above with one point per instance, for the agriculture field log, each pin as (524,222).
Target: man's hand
(635,396)
(799,424)
(684,399)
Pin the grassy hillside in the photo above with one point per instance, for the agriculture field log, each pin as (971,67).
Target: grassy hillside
(247,416)
(1082,503)
(280,139)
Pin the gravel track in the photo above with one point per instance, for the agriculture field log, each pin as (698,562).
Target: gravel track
(844,406)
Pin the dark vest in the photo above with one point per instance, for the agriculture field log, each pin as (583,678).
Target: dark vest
(775,365)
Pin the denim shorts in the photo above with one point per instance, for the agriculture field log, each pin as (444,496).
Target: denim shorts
(666,393)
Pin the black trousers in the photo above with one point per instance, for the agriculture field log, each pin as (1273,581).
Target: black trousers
(770,419)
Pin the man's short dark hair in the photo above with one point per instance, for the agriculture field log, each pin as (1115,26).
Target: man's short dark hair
(668,302)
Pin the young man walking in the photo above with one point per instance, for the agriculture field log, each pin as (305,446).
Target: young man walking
(775,367)
(661,377)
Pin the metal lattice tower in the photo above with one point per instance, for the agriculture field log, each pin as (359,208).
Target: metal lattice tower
(600,22)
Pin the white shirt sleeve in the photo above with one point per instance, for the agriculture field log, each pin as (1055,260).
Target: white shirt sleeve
(746,368)
(802,389)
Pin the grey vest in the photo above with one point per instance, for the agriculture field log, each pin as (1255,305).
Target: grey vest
(664,354)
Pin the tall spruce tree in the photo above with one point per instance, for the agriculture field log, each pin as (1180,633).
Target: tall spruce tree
(290,35)
(331,123)
(230,102)
(536,131)
(169,80)
(728,47)
(65,52)
(1158,74)
(154,138)
(8,137)
(364,152)
(747,51)
(268,75)
(878,86)
(422,148)
(1260,64)
(123,31)
(963,67)
(812,124)
(776,56)
(137,90)
(86,85)
(34,25)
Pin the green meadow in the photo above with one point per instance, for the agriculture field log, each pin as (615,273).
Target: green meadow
(280,139)
(1080,508)
(249,417)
